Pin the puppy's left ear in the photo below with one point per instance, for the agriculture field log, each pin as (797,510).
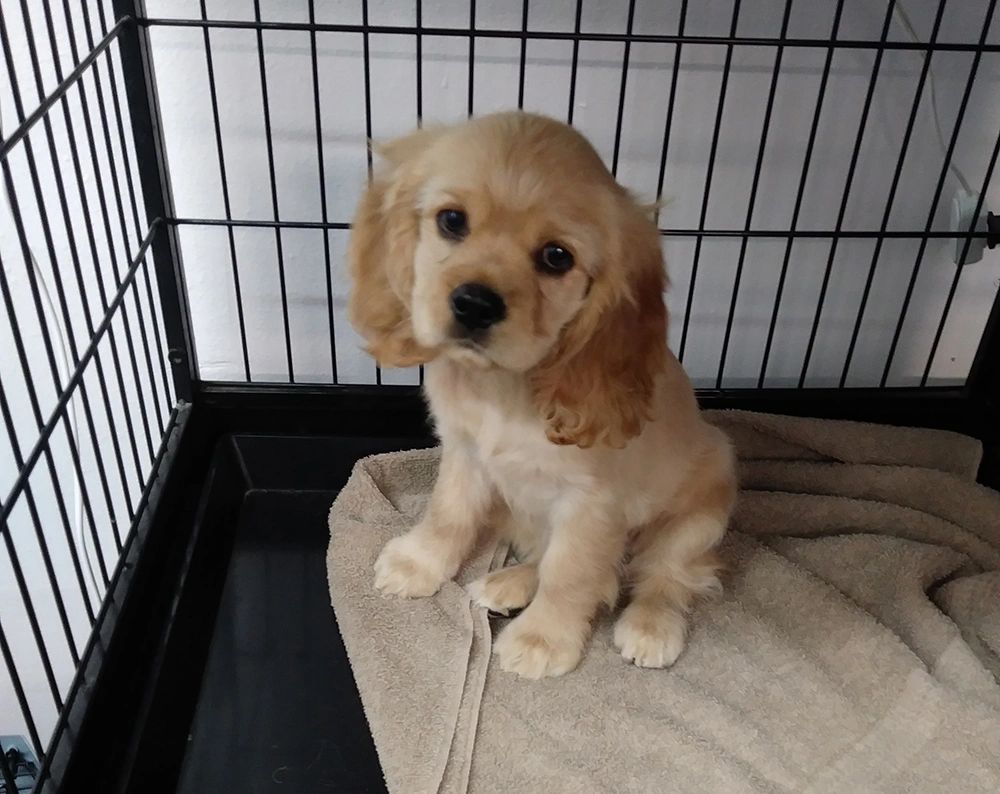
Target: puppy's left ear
(596,387)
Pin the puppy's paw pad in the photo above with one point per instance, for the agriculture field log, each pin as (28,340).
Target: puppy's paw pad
(650,637)
(407,570)
(533,654)
(505,590)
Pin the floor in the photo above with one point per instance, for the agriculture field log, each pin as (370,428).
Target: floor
(278,709)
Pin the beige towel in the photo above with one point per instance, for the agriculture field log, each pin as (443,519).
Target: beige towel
(855,649)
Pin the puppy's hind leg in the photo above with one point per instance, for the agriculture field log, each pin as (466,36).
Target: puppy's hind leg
(673,565)
(510,589)
(506,590)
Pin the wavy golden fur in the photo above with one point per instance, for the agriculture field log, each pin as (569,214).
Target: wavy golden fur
(596,385)
(566,423)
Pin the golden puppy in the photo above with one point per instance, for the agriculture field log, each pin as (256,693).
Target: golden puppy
(501,253)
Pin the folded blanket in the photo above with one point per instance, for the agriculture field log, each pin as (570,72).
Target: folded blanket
(856,648)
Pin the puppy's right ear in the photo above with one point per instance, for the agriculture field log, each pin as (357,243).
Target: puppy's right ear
(383,241)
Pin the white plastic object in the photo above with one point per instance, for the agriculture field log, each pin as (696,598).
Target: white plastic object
(963,209)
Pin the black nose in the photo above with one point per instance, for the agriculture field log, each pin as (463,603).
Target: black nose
(477,307)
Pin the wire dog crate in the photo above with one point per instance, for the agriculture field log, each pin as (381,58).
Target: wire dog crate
(182,397)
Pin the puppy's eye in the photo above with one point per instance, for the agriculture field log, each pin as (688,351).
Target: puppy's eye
(554,259)
(453,224)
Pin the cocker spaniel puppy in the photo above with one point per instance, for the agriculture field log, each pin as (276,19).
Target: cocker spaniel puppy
(502,254)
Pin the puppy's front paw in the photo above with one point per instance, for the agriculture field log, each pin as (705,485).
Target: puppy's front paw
(505,590)
(408,570)
(535,648)
(650,636)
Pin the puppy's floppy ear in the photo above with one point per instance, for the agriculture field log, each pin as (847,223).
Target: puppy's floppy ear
(383,242)
(597,384)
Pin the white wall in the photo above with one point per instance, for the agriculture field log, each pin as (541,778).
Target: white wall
(180,63)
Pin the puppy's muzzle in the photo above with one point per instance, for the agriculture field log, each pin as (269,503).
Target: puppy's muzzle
(476,307)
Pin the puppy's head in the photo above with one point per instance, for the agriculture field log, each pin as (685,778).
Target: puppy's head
(504,242)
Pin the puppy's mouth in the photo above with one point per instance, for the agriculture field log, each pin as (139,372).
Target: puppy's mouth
(469,339)
(470,346)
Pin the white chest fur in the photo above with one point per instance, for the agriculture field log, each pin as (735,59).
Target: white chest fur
(491,414)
